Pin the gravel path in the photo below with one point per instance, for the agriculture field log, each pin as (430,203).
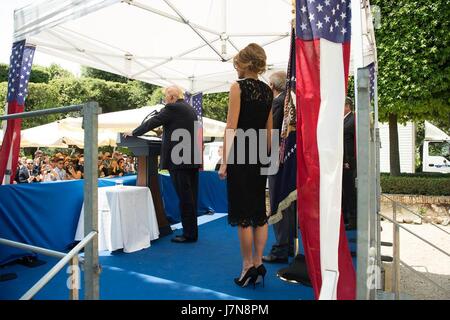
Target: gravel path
(422,258)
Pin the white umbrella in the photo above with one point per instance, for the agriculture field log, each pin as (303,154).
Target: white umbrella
(67,132)
(56,135)
(128,120)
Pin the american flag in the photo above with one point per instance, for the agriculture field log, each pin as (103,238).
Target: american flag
(19,74)
(196,101)
(372,80)
(322,64)
(284,190)
(329,19)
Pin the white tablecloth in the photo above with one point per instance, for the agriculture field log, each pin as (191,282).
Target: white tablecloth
(126,219)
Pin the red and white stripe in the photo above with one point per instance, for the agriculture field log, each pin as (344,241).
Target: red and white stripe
(322,73)
(10,148)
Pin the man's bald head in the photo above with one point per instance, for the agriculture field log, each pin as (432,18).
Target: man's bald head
(173,93)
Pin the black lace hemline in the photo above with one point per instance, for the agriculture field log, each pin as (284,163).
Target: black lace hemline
(248,222)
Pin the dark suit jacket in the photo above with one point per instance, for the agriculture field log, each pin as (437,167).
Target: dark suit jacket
(178,115)
(24,175)
(349,141)
(278,110)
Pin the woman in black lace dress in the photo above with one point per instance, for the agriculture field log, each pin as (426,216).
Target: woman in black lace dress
(249,111)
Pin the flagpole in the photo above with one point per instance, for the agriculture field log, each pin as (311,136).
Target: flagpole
(296,236)
(297,271)
(4,126)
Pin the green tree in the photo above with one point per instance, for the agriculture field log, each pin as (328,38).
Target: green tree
(39,74)
(414,68)
(41,96)
(3,72)
(111,96)
(215,106)
(157,96)
(140,93)
(56,71)
(89,72)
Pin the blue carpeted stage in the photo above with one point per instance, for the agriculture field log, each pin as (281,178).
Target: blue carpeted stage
(46,214)
(202,270)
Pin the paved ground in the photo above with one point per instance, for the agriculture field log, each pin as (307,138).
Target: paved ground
(422,258)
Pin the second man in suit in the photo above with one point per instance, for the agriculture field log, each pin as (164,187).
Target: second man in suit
(285,228)
(349,167)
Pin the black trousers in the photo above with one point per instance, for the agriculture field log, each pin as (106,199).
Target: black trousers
(348,195)
(285,233)
(284,229)
(185,182)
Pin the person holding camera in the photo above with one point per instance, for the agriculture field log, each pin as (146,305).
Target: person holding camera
(74,171)
(116,169)
(60,173)
(47,173)
(130,167)
(103,168)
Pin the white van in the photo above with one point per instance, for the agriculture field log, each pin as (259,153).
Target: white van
(436,150)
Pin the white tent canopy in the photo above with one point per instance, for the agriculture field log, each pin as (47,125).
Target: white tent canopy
(163,42)
(63,133)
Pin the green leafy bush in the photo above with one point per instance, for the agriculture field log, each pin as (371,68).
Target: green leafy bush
(432,184)
(38,74)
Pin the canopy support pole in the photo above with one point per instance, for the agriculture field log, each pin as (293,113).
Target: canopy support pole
(194,29)
(150,68)
(169,16)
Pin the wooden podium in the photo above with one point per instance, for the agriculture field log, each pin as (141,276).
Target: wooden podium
(147,150)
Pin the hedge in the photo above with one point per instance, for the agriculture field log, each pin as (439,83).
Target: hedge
(421,184)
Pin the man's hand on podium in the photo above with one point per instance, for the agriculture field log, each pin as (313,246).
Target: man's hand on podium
(127,134)
(158,131)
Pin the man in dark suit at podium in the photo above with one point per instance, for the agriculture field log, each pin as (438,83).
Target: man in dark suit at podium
(349,168)
(183,168)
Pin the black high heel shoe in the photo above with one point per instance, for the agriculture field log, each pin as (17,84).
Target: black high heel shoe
(261,270)
(249,277)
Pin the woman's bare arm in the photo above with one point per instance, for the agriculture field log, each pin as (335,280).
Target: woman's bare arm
(234,107)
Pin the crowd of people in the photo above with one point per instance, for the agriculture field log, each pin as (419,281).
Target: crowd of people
(60,166)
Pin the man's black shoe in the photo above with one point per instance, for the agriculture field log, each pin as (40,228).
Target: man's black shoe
(182,239)
(8,276)
(30,262)
(274,259)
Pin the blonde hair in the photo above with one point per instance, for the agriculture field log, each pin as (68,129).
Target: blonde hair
(251,58)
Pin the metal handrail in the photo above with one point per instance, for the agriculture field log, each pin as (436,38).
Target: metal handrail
(396,254)
(43,112)
(90,112)
(19,245)
(47,252)
(414,213)
(417,236)
(57,267)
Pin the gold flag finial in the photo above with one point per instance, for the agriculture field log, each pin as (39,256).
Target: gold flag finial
(293,14)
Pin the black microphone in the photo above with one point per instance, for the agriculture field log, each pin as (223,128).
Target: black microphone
(151,114)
